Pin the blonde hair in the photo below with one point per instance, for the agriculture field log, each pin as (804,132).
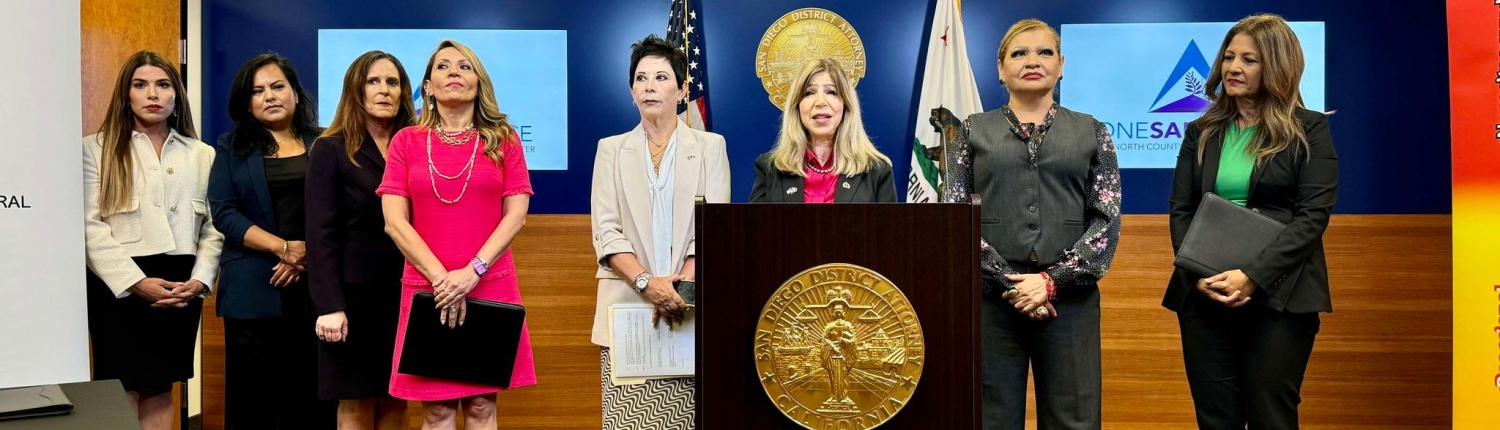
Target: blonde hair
(1023,26)
(852,150)
(1281,73)
(116,163)
(493,125)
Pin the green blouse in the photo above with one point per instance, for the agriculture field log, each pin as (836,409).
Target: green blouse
(1235,165)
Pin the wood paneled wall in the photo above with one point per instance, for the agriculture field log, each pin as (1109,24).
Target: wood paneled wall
(112,31)
(1382,359)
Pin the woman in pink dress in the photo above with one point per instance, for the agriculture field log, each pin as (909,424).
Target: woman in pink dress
(455,194)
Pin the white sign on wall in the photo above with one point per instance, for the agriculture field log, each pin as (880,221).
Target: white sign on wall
(43,312)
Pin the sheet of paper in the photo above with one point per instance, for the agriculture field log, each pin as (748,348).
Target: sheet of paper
(640,350)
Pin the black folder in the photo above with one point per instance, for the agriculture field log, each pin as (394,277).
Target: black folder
(432,350)
(1224,236)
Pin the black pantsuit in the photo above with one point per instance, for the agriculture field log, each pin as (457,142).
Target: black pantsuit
(270,369)
(1246,365)
(270,361)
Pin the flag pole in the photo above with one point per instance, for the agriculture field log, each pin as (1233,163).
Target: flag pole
(686,98)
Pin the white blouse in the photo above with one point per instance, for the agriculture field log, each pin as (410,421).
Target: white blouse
(661,186)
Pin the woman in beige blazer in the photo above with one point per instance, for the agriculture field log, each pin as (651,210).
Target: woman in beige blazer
(152,251)
(645,182)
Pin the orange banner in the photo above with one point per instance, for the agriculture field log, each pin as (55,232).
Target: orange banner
(1474,85)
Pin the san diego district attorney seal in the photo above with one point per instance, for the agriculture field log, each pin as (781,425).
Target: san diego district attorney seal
(839,346)
(801,36)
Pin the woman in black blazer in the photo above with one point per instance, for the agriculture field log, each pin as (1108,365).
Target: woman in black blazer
(256,191)
(823,154)
(353,267)
(1247,333)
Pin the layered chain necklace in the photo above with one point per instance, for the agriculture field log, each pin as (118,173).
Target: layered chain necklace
(452,138)
(656,156)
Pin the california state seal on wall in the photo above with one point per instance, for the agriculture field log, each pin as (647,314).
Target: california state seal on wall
(801,36)
(838,346)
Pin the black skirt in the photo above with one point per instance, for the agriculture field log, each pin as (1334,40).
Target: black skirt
(146,348)
(360,366)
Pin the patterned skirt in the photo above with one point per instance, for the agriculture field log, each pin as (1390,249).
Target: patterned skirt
(664,404)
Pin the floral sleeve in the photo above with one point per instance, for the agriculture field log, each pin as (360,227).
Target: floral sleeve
(958,184)
(1088,259)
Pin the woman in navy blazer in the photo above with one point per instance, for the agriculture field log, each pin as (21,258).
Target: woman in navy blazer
(256,192)
(354,268)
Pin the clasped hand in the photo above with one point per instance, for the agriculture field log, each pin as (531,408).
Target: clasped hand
(1232,288)
(163,294)
(449,290)
(1031,293)
(668,304)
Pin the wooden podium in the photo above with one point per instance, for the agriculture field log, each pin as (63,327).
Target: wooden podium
(747,251)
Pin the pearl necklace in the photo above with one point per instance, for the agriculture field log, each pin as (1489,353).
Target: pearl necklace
(816,169)
(433,170)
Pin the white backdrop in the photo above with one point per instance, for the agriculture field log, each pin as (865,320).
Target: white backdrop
(43,314)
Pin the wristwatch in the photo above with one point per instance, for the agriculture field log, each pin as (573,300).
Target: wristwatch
(479,265)
(641,281)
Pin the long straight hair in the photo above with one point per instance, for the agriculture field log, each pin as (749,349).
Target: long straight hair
(1281,73)
(349,118)
(853,153)
(492,125)
(249,133)
(117,165)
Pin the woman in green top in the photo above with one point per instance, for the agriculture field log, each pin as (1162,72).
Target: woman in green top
(1247,333)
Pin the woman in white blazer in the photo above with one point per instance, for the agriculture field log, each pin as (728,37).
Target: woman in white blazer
(645,183)
(152,251)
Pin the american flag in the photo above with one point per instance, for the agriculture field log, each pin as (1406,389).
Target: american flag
(684,30)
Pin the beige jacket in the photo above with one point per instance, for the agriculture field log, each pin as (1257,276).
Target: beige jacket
(620,207)
(168,213)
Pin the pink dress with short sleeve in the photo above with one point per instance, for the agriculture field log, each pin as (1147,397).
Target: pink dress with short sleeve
(455,232)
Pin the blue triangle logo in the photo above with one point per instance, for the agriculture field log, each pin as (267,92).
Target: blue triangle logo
(1192,69)
(416,100)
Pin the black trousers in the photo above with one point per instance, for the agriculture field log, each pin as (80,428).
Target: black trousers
(271,370)
(1062,353)
(1245,365)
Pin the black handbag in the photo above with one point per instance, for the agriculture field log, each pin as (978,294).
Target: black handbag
(430,347)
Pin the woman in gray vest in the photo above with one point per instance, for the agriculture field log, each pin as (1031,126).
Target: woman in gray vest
(1050,221)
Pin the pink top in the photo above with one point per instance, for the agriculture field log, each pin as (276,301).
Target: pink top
(456,231)
(818,187)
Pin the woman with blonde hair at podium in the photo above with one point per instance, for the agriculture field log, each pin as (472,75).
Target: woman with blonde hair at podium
(1050,222)
(822,154)
(152,253)
(641,206)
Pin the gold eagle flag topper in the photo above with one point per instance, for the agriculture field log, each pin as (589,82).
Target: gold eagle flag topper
(838,346)
(801,36)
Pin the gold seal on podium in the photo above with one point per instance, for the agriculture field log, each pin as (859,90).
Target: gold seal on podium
(801,36)
(839,347)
